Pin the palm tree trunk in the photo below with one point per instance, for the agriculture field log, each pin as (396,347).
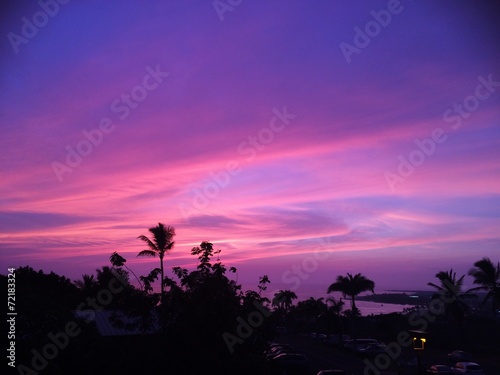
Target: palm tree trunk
(353,322)
(161,266)
(133,273)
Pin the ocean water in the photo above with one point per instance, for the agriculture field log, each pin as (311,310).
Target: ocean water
(319,291)
(375,308)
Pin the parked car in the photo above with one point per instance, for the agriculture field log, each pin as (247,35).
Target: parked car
(471,368)
(459,356)
(277,346)
(278,351)
(273,344)
(439,369)
(373,349)
(312,335)
(290,361)
(357,344)
(337,340)
(321,337)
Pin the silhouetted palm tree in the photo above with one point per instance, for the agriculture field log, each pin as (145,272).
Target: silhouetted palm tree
(87,283)
(159,245)
(334,310)
(452,296)
(352,286)
(488,277)
(451,290)
(336,306)
(105,274)
(312,307)
(283,299)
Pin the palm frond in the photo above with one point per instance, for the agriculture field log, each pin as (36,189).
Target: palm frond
(151,245)
(477,288)
(149,253)
(162,236)
(435,286)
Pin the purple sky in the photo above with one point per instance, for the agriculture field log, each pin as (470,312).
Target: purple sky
(330,136)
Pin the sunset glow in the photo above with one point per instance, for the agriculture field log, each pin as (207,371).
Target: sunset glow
(256,133)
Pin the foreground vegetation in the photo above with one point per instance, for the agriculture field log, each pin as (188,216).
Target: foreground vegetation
(202,319)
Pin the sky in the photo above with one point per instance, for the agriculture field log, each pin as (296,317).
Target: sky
(303,139)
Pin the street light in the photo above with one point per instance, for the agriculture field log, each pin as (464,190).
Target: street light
(419,340)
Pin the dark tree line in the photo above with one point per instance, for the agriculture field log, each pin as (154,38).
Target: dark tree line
(180,329)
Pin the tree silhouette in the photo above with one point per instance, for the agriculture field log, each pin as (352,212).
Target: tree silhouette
(352,286)
(262,283)
(451,290)
(87,284)
(205,305)
(250,297)
(283,300)
(150,279)
(161,243)
(105,274)
(309,311)
(118,261)
(46,302)
(312,307)
(334,310)
(488,277)
(336,306)
(451,293)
